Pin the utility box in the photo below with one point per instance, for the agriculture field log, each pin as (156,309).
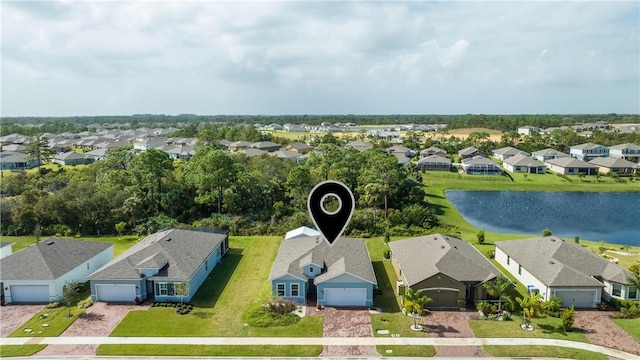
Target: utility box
(400,288)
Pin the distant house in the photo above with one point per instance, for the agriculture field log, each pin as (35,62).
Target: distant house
(238,145)
(10,160)
(551,266)
(6,249)
(402,158)
(479,165)
(449,270)
(507,152)
(523,164)
(470,152)
(571,166)
(38,273)
(266,146)
(588,151)
(614,166)
(299,147)
(169,265)
(150,143)
(252,152)
(98,154)
(72,158)
(399,149)
(338,275)
(528,130)
(626,151)
(359,145)
(283,154)
(14,148)
(301,232)
(275,127)
(183,153)
(434,163)
(432,151)
(548,154)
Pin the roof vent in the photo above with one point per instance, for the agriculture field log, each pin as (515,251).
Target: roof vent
(553,239)
(169,239)
(441,246)
(50,242)
(551,262)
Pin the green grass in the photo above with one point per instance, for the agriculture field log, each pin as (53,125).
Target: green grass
(205,350)
(19,350)
(56,318)
(544,327)
(234,287)
(121,243)
(541,351)
(407,350)
(631,326)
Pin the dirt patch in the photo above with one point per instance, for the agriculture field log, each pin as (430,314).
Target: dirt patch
(99,320)
(347,323)
(12,316)
(599,329)
(452,324)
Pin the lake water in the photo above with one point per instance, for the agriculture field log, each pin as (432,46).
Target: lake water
(612,217)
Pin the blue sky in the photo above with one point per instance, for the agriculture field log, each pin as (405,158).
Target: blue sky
(63,58)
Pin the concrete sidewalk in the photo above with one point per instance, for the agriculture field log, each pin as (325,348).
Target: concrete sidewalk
(72,340)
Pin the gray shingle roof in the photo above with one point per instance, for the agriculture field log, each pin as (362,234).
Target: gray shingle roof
(423,257)
(613,162)
(509,151)
(179,252)
(5,243)
(434,159)
(570,162)
(556,262)
(626,146)
(521,160)
(549,151)
(49,259)
(586,146)
(345,256)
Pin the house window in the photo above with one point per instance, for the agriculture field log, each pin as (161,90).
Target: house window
(162,288)
(633,292)
(87,266)
(617,290)
(310,269)
(295,289)
(508,259)
(519,269)
(206,265)
(165,289)
(279,289)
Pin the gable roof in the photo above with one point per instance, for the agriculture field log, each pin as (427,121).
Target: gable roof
(302,231)
(433,149)
(509,151)
(346,256)
(630,146)
(49,259)
(423,257)
(613,162)
(521,160)
(70,155)
(550,151)
(178,252)
(469,150)
(556,262)
(434,159)
(586,146)
(570,162)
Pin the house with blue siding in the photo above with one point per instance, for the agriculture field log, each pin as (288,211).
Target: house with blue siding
(588,151)
(310,269)
(169,265)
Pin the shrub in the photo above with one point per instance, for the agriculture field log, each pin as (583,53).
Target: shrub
(481,237)
(387,254)
(483,306)
(602,306)
(566,319)
(85,303)
(281,307)
(260,316)
(490,253)
(53,305)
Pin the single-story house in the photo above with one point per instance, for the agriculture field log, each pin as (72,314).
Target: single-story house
(548,154)
(627,151)
(98,154)
(449,270)
(528,130)
(268,146)
(6,249)
(38,273)
(169,265)
(551,266)
(588,151)
(238,145)
(284,154)
(480,165)
(301,232)
(310,268)
(507,152)
(72,158)
(399,149)
(470,152)
(183,153)
(299,147)
(613,165)
(571,166)
(432,151)
(10,160)
(434,163)
(523,164)
(252,152)
(402,158)
(359,145)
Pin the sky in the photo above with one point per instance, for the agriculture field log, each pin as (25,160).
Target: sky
(75,58)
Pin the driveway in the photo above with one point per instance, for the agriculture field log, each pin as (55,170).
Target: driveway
(347,323)
(452,324)
(12,316)
(600,330)
(98,320)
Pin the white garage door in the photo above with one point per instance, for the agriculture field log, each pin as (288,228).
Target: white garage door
(30,293)
(116,292)
(345,297)
(579,299)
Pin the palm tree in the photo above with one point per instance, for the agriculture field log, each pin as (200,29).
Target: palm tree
(634,279)
(414,303)
(530,305)
(498,288)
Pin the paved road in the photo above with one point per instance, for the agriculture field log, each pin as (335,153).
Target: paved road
(71,340)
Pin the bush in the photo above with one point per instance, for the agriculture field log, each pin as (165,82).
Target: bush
(387,254)
(53,305)
(490,253)
(83,304)
(566,319)
(481,237)
(260,316)
(281,307)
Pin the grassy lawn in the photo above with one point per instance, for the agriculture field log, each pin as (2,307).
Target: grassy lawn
(631,326)
(544,327)
(406,350)
(541,351)
(20,350)
(205,350)
(121,243)
(56,319)
(223,299)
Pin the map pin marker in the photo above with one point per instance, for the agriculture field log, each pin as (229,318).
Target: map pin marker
(331,224)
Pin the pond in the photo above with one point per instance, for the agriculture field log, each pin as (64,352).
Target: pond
(612,217)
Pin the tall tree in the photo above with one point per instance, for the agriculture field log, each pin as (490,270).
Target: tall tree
(382,169)
(38,150)
(149,170)
(413,303)
(210,172)
(498,288)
